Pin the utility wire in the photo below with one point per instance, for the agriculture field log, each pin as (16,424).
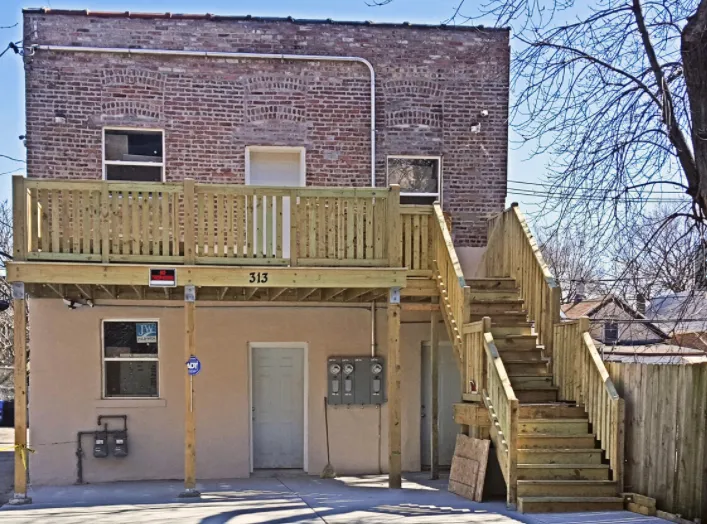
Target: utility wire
(585,188)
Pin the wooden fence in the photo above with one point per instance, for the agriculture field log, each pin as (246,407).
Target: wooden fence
(666,434)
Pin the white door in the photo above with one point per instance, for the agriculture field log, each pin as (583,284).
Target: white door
(449,392)
(278,408)
(282,167)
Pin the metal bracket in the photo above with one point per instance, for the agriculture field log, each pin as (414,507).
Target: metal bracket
(189,293)
(18,290)
(394,295)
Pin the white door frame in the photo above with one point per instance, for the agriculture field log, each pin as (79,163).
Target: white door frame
(278,149)
(304,346)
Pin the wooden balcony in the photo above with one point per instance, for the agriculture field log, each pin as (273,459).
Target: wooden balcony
(65,227)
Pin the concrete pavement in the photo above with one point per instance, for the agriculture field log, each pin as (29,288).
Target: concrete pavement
(283,500)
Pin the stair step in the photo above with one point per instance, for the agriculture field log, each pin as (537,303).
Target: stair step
(569,504)
(504,318)
(494,294)
(517,342)
(515,367)
(499,330)
(567,488)
(533,381)
(500,307)
(521,356)
(554,426)
(563,472)
(492,283)
(546,441)
(534,395)
(560,456)
(551,411)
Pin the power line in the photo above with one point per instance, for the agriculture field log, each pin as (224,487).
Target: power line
(584,188)
(567,196)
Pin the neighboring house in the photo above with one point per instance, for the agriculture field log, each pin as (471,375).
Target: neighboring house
(269,284)
(613,322)
(683,315)
(622,334)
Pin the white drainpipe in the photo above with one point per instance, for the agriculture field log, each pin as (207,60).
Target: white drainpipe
(256,56)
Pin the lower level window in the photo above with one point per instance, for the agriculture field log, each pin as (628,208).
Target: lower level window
(130,358)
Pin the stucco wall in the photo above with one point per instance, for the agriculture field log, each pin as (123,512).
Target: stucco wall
(65,390)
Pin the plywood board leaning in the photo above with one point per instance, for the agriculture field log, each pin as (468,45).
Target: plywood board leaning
(469,463)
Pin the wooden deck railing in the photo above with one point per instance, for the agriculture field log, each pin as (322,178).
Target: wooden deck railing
(474,357)
(513,252)
(455,295)
(189,223)
(580,374)
(417,223)
(502,404)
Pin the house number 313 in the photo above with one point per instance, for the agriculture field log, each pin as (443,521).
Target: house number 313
(258,278)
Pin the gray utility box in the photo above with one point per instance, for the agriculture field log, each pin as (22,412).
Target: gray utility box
(355,380)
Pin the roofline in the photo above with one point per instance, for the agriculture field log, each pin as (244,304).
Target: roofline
(250,18)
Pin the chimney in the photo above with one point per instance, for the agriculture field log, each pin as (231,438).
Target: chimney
(579,294)
(641,303)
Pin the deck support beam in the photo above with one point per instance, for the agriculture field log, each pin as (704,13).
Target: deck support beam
(190,490)
(434,419)
(394,400)
(20,377)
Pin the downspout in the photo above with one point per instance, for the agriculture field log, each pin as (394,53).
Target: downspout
(255,56)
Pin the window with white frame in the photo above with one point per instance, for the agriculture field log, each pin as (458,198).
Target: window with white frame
(419,178)
(130,358)
(135,155)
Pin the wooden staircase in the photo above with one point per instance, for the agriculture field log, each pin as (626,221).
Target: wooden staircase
(556,421)
(560,466)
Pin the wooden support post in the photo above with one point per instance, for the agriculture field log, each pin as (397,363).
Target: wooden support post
(20,347)
(189,406)
(395,230)
(189,209)
(394,401)
(19,217)
(434,419)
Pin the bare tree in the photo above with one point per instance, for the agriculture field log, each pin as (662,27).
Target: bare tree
(575,264)
(6,317)
(672,260)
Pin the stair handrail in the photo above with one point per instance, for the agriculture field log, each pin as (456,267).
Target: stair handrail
(455,295)
(513,252)
(502,403)
(581,377)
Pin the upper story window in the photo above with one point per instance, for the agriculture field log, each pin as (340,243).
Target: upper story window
(611,332)
(130,358)
(419,177)
(135,155)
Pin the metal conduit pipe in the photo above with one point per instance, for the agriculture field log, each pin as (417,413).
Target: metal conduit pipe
(253,56)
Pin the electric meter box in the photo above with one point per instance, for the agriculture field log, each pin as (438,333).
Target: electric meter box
(334,385)
(348,380)
(356,380)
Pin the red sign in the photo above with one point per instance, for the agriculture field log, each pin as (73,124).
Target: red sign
(163,278)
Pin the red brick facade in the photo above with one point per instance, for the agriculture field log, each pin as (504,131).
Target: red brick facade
(431,86)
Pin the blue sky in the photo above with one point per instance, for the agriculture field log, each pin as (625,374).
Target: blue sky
(11,71)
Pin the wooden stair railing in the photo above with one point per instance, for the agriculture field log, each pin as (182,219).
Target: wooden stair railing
(483,361)
(454,294)
(513,252)
(579,372)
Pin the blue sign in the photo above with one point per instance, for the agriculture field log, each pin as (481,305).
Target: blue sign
(193,365)
(146,332)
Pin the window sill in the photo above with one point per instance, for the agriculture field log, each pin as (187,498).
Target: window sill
(130,403)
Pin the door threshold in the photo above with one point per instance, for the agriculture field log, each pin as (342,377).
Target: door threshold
(272,473)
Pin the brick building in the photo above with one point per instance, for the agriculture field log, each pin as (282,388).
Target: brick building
(163,98)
